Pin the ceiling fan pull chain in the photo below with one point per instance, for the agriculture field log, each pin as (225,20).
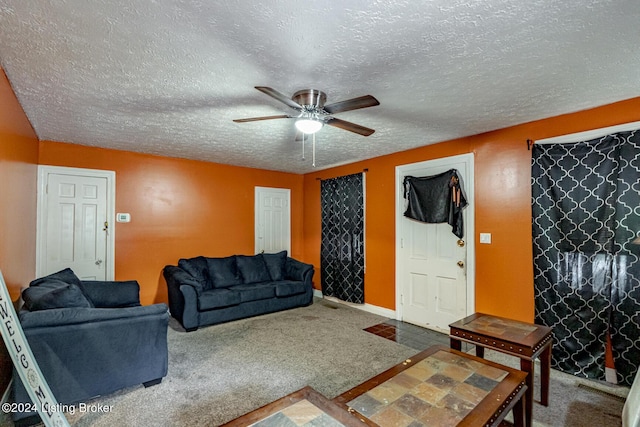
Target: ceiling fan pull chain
(313,161)
(303,147)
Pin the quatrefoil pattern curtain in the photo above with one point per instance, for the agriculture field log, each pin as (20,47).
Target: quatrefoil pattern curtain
(586,213)
(342,244)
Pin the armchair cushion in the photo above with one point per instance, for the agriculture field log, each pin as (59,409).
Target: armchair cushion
(223,272)
(54,294)
(252,268)
(107,294)
(198,268)
(276,265)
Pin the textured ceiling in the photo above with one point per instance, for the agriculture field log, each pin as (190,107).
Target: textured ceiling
(167,77)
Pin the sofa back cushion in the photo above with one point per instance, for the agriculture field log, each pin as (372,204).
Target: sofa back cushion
(198,268)
(276,265)
(223,272)
(253,268)
(54,293)
(112,294)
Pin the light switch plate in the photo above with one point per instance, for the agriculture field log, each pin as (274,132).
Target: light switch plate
(485,238)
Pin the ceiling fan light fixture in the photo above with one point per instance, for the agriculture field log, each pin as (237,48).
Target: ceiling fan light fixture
(308,126)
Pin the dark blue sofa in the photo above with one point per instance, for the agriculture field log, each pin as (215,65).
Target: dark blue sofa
(90,338)
(205,291)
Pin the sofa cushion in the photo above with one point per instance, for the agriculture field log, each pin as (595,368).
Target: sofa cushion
(198,268)
(54,293)
(218,298)
(287,288)
(223,272)
(110,294)
(276,264)
(252,268)
(255,291)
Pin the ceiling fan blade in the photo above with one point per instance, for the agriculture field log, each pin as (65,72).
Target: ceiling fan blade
(351,127)
(280,97)
(255,119)
(351,104)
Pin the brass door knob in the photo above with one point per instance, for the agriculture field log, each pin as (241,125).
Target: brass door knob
(460,264)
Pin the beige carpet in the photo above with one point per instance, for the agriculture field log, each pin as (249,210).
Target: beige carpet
(221,372)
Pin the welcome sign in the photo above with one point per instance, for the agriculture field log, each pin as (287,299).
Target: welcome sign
(12,334)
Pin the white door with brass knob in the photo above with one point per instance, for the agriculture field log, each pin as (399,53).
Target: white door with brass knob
(434,268)
(75,222)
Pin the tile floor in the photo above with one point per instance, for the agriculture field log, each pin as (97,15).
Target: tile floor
(410,335)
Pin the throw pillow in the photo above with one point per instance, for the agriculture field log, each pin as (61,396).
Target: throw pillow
(253,268)
(67,276)
(54,294)
(224,272)
(198,268)
(276,265)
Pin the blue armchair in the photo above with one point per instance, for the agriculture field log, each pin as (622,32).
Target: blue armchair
(90,338)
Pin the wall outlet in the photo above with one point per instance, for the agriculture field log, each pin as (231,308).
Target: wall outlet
(485,238)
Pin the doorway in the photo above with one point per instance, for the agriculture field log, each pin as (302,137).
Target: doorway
(435,271)
(272,220)
(75,222)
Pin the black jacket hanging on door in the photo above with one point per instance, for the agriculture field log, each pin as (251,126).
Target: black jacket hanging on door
(436,199)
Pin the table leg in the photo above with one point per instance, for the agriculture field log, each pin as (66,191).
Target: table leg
(528,367)
(480,351)
(545,371)
(518,413)
(455,344)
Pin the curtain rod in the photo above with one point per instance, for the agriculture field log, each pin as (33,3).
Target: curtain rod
(586,135)
(363,170)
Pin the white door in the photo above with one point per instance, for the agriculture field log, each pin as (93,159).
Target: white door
(272,221)
(75,222)
(434,269)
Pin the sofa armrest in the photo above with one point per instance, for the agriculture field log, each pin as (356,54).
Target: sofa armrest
(176,277)
(112,294)
(126,347)
(297,270)
(81,316)
(183,291)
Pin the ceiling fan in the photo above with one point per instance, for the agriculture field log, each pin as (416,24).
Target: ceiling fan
(313,114)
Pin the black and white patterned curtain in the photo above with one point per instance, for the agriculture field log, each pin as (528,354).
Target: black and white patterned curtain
(586,214)
(342,245)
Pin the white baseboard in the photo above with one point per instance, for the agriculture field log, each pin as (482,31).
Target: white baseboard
(370,308)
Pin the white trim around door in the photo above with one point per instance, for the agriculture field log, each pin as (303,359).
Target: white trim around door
(469,191)
(43,173)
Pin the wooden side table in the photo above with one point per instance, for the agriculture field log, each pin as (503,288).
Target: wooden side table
(526,341)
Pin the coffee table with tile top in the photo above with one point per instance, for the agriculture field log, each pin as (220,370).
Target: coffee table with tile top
(302,408)
(439,387)
(526,341)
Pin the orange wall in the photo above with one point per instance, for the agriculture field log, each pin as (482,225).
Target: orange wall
(504,270)
(18,182)
(179,208)
(18,171)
